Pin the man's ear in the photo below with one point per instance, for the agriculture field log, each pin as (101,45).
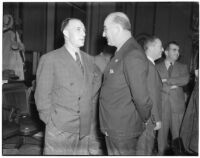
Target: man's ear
(66,33)
(166,53)
(117,28)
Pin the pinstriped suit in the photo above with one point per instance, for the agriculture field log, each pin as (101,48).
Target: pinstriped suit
(64,97)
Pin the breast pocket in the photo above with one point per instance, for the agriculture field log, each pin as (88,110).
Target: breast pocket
(66,82)
(116,75)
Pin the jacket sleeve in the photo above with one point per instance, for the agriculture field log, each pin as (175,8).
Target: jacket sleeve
(44,81)
(136,69)
(181,80)
(155,93)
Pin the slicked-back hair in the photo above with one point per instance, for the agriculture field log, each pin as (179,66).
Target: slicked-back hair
(124,22)
(171,42)
(149,41)
(66,22)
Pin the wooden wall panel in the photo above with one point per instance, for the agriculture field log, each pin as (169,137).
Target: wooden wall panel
(179,29)
(173,21)
(128,8)
(144,18)
(97,13)
(162,22)
(34,26)
(63,11)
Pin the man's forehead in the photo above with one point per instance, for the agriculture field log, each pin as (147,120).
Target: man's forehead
(108,20)
(173,46)
(159,41)
(75,23)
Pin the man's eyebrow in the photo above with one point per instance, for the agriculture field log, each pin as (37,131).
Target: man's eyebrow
(79,27)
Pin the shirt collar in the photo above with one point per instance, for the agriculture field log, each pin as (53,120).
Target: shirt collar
(151,59)
(168,63)
(72,53)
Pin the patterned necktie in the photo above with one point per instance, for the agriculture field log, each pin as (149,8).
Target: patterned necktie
(78,60)
(170,70)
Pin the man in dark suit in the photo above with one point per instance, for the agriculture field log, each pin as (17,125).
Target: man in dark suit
(174,76)
(125,105)
(65,91)
(153,50)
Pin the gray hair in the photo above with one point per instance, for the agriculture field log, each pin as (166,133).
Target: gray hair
(121,19)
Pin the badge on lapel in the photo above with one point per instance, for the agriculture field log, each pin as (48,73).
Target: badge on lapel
(116,60)
(111,71)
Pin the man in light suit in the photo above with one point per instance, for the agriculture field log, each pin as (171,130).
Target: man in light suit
(174,76)
(64,93)
(125,104)
(153,50)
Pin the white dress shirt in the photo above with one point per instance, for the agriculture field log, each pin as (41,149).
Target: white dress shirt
(151,59)
(72,53)
(167,64)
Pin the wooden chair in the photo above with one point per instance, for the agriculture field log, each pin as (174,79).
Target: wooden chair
(9,128)
(18,96)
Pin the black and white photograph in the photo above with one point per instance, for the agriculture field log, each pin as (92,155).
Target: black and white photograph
(100,78)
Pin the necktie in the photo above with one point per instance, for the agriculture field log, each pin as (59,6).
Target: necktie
(78,60)
(170,69)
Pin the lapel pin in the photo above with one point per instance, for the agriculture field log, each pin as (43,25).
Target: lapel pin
(116,60)
(111,71)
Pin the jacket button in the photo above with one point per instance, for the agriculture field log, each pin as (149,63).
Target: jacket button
(79,98)
(78,111)
(71,84)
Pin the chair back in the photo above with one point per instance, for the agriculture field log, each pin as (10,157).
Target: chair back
(16,96)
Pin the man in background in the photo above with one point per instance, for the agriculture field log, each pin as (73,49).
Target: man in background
(174,76)
(153,50)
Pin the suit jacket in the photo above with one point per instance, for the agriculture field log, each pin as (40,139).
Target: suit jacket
(124,100)
(189,131)
(155,90)
(63,94)
(179,77)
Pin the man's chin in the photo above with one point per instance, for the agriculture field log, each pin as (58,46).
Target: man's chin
(110,44)
(81,45)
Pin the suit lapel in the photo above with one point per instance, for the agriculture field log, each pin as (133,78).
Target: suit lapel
(128,45)
(74,69)
(87,71)
(164,69)
(73,63)
(175,69)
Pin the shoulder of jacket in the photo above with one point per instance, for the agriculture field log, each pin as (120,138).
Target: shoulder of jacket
(89,57)
(159,64)
(180,64)
(135,53)
(52,55)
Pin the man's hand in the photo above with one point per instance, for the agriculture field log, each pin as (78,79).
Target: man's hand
(158,125)
(164,80)
(173,87)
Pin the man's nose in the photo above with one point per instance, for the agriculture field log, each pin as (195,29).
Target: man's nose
(104,34)
(84,33)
